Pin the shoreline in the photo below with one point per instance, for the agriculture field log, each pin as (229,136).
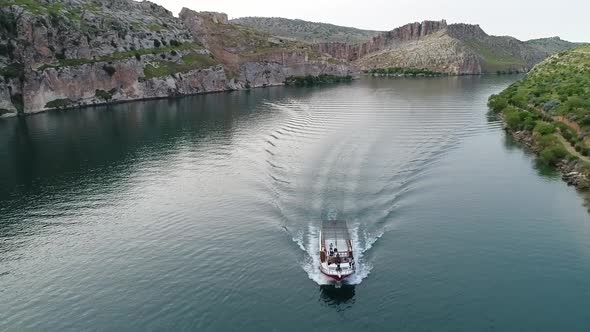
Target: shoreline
(571,171)
(435,75)
(117,102)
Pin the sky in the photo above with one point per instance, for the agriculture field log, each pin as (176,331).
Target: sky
(523,19)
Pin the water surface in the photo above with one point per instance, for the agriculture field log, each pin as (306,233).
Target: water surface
(202,213)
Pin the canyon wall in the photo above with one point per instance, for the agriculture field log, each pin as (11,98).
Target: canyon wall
(406,33)
(457,49)
(257,59)
(70,53)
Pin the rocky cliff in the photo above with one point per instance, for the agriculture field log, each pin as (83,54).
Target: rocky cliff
(456,49)
(437,52)
(67,53)
(382,41)
(257,59)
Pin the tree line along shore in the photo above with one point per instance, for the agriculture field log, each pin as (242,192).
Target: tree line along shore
(549,111)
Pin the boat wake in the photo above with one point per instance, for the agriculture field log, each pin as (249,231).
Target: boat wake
(334,156)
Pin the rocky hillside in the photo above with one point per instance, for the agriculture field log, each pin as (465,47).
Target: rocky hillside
(69,53)
(257,59)
(454,49)
(311,32)
(66,53)
(552,45)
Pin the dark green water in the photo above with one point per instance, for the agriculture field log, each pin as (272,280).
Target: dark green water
(201,214)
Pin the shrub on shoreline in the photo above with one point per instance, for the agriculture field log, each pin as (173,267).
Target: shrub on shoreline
(400,71)
(310,80)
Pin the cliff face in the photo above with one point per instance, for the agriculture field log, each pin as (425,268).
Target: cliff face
(67,53)
(454,49)
(437,52)
(257,59)
(406,33)
(73,53)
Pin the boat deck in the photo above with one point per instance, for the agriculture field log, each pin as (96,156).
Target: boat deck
(335,236)
(336,254)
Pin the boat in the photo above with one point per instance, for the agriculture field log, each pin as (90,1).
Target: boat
(336,254)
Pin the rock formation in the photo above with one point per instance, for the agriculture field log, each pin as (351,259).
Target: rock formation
(258,59)
(457,49)
(68,53)
(389,39)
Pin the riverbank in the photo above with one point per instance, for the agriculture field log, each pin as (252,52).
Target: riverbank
(404,72)
(549,111)
(544,136)
(573,168)
(335,80)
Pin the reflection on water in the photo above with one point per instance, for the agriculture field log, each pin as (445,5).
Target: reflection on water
(341,297)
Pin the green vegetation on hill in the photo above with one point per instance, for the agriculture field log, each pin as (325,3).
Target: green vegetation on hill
(76,14)
(252,43)
(189,62)
(306,31)
(14,70)
(495,59)
(552,45)
(34,6)
(553,100)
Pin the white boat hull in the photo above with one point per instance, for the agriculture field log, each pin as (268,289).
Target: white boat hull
(335,264)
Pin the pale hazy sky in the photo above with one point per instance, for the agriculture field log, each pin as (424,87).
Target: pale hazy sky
(523,19)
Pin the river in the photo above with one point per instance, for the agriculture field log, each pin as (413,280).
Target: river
(202,213)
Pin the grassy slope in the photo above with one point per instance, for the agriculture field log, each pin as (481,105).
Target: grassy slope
(552,45)
(493,58)
(248,41)
(190,62)
(306,31)
(558,88)
(561,86)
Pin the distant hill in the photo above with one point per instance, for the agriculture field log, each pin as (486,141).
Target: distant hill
(552,45)
(306,31)
(457,49)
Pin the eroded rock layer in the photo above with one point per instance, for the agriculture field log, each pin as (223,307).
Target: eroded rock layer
(456,49)
(68,53)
